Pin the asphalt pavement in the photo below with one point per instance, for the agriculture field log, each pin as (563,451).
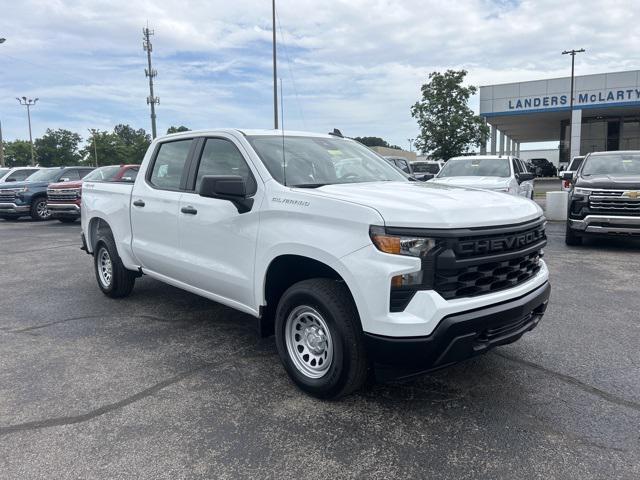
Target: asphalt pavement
(165,384)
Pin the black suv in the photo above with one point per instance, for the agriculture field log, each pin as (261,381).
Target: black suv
(543,167)
(604,198)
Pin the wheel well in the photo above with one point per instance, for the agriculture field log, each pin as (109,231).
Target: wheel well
(97,225)
(283,272)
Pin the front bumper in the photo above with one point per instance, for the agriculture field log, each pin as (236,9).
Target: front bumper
(13,208)
(607,224)
(64,209)
(458,336)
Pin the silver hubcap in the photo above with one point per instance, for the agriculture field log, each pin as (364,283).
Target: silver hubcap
(309,342)
(104,267)
(42,210)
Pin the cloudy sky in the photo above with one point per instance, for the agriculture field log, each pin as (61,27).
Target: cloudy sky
(353,64)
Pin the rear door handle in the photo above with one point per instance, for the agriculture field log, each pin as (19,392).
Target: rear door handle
(189,210)
(138,203)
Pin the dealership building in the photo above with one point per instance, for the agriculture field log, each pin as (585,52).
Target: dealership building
(606,114)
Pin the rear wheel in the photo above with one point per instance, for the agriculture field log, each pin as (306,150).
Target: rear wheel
(114,279)
(571,238)
(39,210)
(319,338)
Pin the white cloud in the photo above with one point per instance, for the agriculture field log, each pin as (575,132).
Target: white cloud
(355,64)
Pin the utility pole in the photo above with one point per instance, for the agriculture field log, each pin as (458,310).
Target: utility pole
(93,132)
(1,144)
(573,60)
(150,72)
(275,67)
(28,102)
(410,140)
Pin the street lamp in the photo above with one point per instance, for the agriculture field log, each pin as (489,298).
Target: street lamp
(573,60)
(28,102)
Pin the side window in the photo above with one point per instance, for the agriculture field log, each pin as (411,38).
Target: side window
(222,157)
(84,173)
(517,168)
(70,174)
(130,175)
(19,175)
(403,165)
(169,164)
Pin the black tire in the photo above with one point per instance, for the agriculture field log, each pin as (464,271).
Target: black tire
(39,210)
(66,219)
(348,367)
(120,282)
(571,238)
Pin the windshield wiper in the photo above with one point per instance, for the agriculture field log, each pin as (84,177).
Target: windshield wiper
(308,185)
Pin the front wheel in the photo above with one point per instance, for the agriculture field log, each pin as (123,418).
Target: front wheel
(319,338)
(39,210)
(114,279)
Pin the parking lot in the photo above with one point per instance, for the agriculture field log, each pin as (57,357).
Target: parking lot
(165,384)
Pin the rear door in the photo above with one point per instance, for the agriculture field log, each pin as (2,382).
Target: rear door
(217,243)
(155,206)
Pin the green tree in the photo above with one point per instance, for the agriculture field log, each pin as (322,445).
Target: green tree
(448,127)
(17,153)
(58,147)
(124,145)
(375,142)
(179,129)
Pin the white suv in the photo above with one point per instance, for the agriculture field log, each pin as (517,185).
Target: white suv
(497,173)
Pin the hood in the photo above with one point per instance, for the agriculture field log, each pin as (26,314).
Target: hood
(23,184)
(610,181)
(433,205)
(62,185)
(475,182)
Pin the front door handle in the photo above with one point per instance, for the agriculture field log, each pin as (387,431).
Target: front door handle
(138,203)
(189,210)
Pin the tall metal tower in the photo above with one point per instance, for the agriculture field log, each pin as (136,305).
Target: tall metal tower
(150,72)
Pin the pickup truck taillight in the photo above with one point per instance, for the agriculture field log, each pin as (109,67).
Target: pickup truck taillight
(566,184)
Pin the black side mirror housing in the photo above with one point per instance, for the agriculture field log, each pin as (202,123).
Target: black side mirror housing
(227,187)
(568,176)
(524,177)
(426,176)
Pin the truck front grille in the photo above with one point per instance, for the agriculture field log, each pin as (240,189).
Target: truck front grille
(615,205)
(7,196)
(68,194)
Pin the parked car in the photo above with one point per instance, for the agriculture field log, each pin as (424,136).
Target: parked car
(407,167)
(426,170)
(352,270)
(571,168)
(64,198)
(542,167)
(604,199)
(500,174)
(29,197)
(16,174)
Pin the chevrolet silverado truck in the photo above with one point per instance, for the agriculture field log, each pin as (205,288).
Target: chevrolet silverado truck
(604,196)
(359,271)
(64,198)
(29,197)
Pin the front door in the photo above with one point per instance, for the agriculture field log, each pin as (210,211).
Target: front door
(155,208)
(217,244)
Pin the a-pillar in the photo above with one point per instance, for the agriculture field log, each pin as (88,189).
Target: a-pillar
(494,139)
(576,128)
(501,150)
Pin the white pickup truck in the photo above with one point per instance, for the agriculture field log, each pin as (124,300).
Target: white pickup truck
(356,269)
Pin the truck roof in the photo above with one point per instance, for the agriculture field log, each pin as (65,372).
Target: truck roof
(251,132)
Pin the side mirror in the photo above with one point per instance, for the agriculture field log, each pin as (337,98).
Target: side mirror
(426,176)
(227,187)
(568,176)
(525,177)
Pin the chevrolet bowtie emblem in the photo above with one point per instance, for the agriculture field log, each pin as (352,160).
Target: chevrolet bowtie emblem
(634,194)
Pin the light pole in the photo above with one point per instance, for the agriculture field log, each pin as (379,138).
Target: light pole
(93,132)
(573,61)
(275,67)
(1,144)
(28,102)
(410,140)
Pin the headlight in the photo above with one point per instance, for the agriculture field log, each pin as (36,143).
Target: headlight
(582,191)
(16,190)
(401,245)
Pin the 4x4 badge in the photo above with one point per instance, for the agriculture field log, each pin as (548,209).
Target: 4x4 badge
(633,194)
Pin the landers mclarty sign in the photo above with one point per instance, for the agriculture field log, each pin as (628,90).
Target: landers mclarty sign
(604,96)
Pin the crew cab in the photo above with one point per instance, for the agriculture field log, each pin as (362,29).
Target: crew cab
(16,174)
(64,198)
(354,267)
(501,174)
(29,198)
(604,199)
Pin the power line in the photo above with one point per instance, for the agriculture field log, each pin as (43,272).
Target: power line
(147,46)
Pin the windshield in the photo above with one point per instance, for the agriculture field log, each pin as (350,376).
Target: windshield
(3,171)
(426,168)
(612,164)
(316,161)
(103,173)
(44,175)
(476,167)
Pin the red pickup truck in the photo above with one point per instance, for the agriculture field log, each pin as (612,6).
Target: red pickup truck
(63,199)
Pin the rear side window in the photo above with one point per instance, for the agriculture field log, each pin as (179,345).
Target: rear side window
(85,172)
(402,164)
(130,175)
(20,175)
(71,175)
(169,164)
(222,157)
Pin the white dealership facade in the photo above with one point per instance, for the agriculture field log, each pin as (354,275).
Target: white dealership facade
(606,113)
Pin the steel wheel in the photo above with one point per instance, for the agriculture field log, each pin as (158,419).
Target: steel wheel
(309,342)
(42,210)
(105,267)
